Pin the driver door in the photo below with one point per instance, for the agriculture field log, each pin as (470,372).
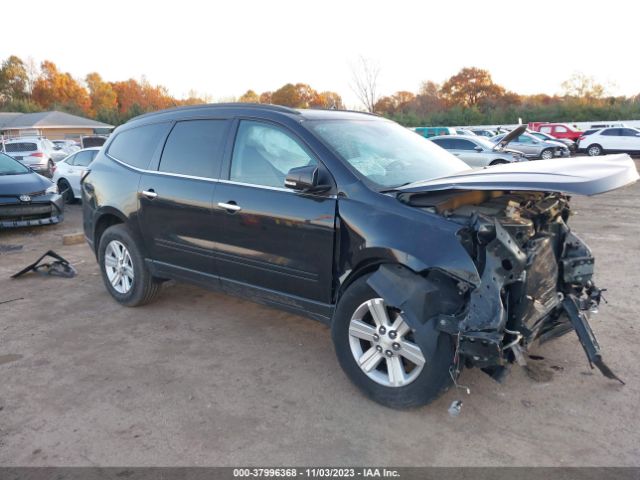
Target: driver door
(272,242)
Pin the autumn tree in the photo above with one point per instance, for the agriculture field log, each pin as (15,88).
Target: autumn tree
(13,79)
(364,82)
(328,100)
(582,86)
(266,97)
(54,89)
(299,95)
(469,87)
(249,97)
(102,95)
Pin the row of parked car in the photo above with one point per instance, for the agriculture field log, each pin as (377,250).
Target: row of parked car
(482,147)
(38,176)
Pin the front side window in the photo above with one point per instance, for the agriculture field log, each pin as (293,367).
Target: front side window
(136,146)
(630,132)
(194,147)
(385,153)
(263,154)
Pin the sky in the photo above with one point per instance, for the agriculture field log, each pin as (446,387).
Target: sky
(222,49)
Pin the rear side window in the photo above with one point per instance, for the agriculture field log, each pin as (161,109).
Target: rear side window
(194,147)
(136,146)
(561,129)
(84,158)
(443,142)
(461,144)
(611,132)
(21,147)
(545,129)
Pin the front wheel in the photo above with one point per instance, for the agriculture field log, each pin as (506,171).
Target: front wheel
(123,269)
(594,150)
(546,154)
(66,191)
(377,350)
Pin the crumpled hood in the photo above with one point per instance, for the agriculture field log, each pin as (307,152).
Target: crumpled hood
(579,176)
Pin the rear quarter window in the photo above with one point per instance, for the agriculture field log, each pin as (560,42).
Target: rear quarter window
(137,146)
(21,147)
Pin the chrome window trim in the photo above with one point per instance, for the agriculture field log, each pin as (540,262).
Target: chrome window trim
(193,177)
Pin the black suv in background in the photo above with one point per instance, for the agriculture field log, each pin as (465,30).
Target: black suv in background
(419,265)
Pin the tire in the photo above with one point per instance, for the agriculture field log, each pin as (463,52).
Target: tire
(498,161)
(139,287)
(50,168)
(546,154)
(66,191)
(424,385)
(594,150)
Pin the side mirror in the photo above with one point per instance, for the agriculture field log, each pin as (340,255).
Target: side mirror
(478,148)
(304,179)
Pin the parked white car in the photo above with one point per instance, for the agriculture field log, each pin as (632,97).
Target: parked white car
(37,153)
(610,140)
(68,172)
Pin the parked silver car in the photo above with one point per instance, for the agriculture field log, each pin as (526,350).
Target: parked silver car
(531,146)
(477,151)
(36,153)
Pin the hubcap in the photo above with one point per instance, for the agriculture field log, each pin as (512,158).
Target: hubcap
(547,155)
(382,345)
(119,267)
(594,151)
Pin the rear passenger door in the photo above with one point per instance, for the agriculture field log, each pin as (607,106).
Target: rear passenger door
(273,242)
(176,199)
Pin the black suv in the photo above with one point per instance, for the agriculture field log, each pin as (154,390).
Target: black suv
(419,265)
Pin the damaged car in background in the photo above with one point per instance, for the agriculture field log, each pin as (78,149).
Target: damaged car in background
(421,266)
(27,198)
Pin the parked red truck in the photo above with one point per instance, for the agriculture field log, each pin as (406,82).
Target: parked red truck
(558,130)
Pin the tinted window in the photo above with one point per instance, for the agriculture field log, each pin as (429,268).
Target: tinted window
(194,147)
(20,147)
(443,142)
(84,158)
(611,132)
(629,132)
(463,144)
(264,154)
(136,146)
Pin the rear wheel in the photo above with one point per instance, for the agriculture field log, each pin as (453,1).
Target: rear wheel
(547,154)
(594,150)
(123,269)
(66,191)
(377,350)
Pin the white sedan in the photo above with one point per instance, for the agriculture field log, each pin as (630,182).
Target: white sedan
(68,172)
(610,140)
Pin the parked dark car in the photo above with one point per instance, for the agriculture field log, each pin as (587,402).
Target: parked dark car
(26,198)
(420,265)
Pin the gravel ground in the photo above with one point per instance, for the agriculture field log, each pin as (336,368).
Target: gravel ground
(200,378)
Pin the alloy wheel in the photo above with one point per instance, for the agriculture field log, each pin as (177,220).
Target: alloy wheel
(547,155)
(594,151)
(119,266)
(383,346)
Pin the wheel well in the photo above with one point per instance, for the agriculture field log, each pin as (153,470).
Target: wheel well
(104,222)
(361,270)
(498,161)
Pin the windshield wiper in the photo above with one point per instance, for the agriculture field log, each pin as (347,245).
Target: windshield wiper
(396,188)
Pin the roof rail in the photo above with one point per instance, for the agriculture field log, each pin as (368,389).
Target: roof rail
(264,106)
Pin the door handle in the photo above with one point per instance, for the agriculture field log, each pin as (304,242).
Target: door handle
(231,206)
(150,194)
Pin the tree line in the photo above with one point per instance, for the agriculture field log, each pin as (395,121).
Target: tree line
(470,97)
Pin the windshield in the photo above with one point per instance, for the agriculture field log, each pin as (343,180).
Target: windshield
(9,166)
(385,153)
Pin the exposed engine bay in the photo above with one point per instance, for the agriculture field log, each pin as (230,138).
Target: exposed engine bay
(536,280)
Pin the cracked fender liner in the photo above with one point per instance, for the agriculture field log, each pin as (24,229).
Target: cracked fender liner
(420,300)
(587,337)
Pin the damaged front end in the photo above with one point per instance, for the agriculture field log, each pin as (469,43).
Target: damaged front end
(536,280)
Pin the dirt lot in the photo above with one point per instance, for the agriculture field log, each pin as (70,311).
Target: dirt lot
(199,378)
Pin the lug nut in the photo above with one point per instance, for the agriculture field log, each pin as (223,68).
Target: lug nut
(378,348)
(376,337)
(396,346)
(393,334)
(382,330)
(389,353)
